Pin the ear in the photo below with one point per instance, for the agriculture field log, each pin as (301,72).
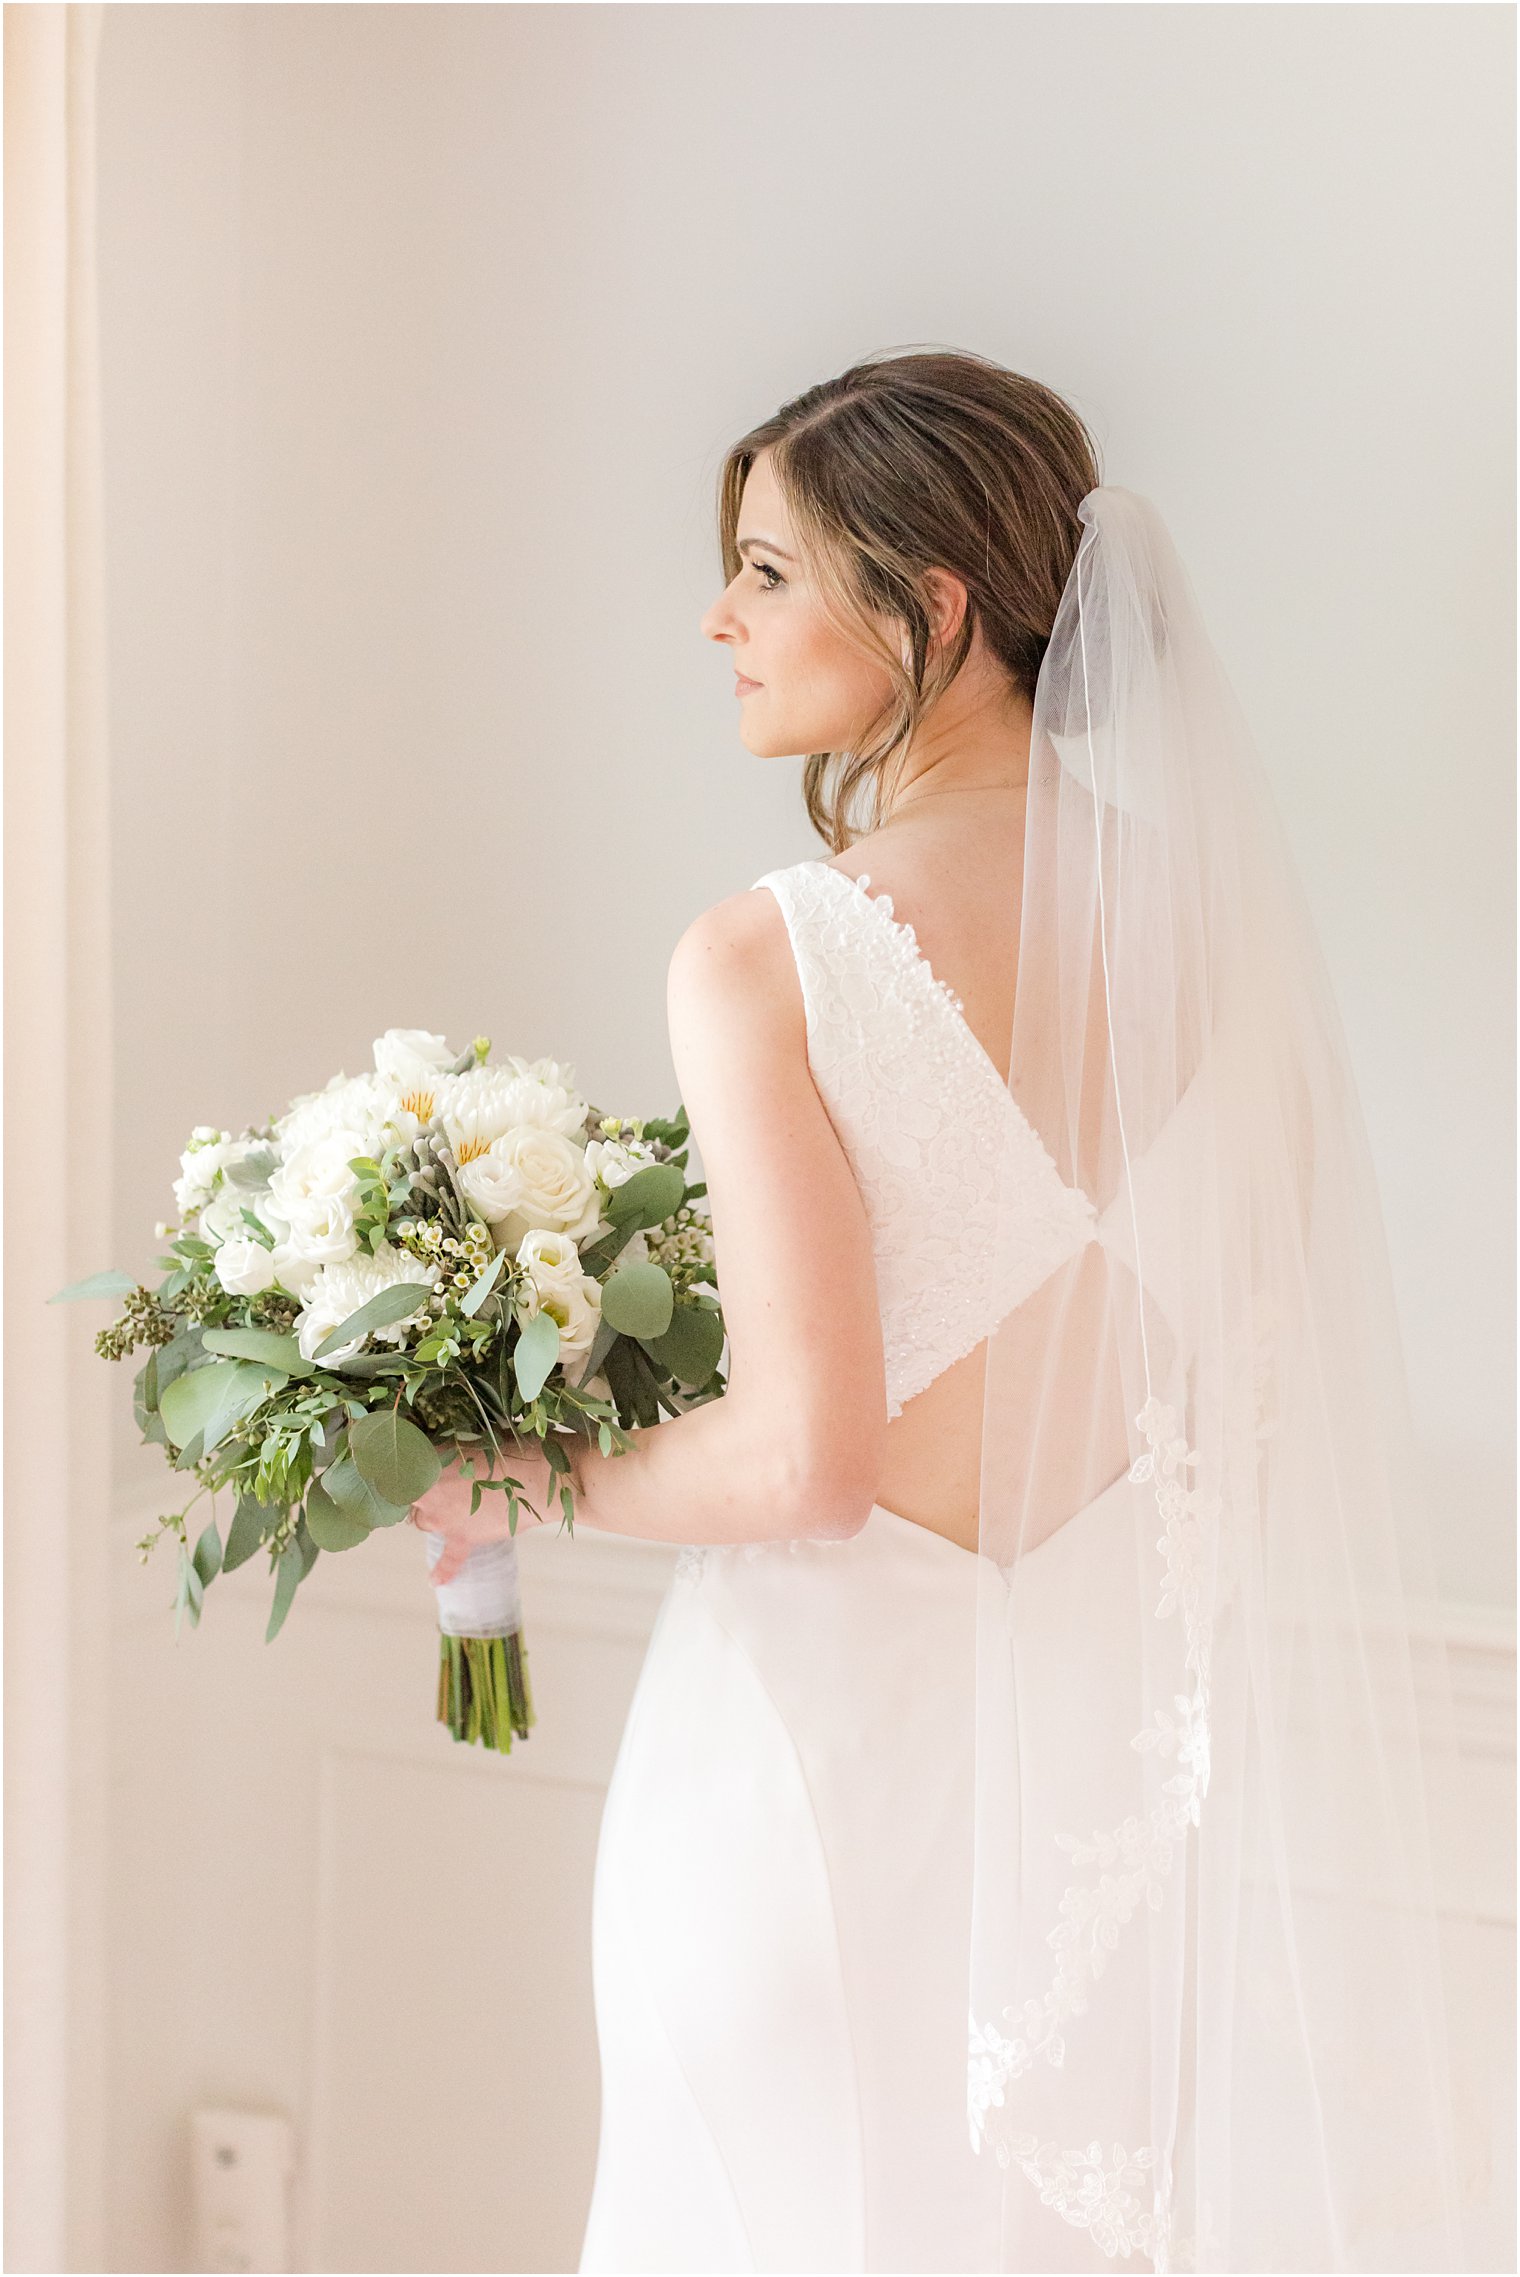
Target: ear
(947,603)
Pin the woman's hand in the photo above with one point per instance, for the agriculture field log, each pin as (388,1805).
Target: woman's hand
(445,1508)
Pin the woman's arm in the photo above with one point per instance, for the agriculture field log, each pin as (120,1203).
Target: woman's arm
(795,1445)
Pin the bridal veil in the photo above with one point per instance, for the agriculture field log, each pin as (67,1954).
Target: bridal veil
(1207,2024)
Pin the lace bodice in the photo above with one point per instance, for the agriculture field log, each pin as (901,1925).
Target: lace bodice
(931,1130)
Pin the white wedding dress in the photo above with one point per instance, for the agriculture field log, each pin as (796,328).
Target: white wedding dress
(783,1882)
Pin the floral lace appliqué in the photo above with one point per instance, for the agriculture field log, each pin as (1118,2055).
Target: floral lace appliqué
(1134,1861)
(968,1212)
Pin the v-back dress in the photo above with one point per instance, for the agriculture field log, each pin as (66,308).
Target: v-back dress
(782,1905)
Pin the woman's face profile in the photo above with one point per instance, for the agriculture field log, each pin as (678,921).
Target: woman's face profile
(800,685)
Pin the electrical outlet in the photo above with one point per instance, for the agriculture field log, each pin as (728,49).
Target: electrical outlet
(242,2163)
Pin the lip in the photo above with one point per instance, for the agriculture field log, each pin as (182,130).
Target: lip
(742,686)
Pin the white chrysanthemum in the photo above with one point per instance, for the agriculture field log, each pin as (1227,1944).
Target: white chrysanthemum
(342,1288)
(521,1091)
(614,1161)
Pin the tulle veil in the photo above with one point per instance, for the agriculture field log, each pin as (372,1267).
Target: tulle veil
(1207,2024)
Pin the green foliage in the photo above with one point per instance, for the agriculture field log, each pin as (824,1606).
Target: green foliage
(537,1351)
(393,1457)
(638,1299)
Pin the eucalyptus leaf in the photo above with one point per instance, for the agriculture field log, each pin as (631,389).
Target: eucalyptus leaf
(366,1365)
(479,1289)
(638,1299)
(308,1548)
(97,1285)
(187,1404)
(286,1575)
(249,1387)
(332,1528)
(393,1457)
(691,1346)
(382,1311)
(250,1521)
(601,1344)
(261,1344)
(208,1553)
(346,1485)
(535,1354)
(647,1198)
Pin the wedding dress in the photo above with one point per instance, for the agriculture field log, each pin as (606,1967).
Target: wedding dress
(783,1892)
(1073,1897)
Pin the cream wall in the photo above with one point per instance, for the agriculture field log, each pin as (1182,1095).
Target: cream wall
(424,330)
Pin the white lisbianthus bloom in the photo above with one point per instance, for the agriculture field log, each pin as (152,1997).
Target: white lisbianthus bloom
(614,1161)
(321,1229)
(319,1170)
(558,1191)
(405,1057)
(411,1077)
(492,1186)
(350,1103)
(222,1217)
(561,1289)
(559,1074)
(340,1289)
(244,1266)
(200,1166)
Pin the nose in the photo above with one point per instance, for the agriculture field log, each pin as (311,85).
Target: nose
(718,622)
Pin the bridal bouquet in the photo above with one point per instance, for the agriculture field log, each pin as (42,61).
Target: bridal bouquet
(442,1258)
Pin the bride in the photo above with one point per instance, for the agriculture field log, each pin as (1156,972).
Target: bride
(1043,1229)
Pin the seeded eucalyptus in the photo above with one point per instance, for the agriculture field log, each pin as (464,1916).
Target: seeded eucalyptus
(430,1263)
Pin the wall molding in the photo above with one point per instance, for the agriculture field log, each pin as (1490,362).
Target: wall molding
(596,1584)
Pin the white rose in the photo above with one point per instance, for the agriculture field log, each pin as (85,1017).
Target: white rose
(558,1191)
(340,1289)
(244,1266)
(491,1185)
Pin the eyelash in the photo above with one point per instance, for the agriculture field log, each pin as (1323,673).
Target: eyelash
(766,570)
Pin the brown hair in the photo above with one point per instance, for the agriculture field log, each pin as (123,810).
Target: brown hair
(908,462)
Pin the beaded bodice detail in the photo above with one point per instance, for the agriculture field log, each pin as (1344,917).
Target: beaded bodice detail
(968,1212)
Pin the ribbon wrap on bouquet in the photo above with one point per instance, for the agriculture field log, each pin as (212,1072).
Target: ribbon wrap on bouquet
(484,1599)
(483,1689)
